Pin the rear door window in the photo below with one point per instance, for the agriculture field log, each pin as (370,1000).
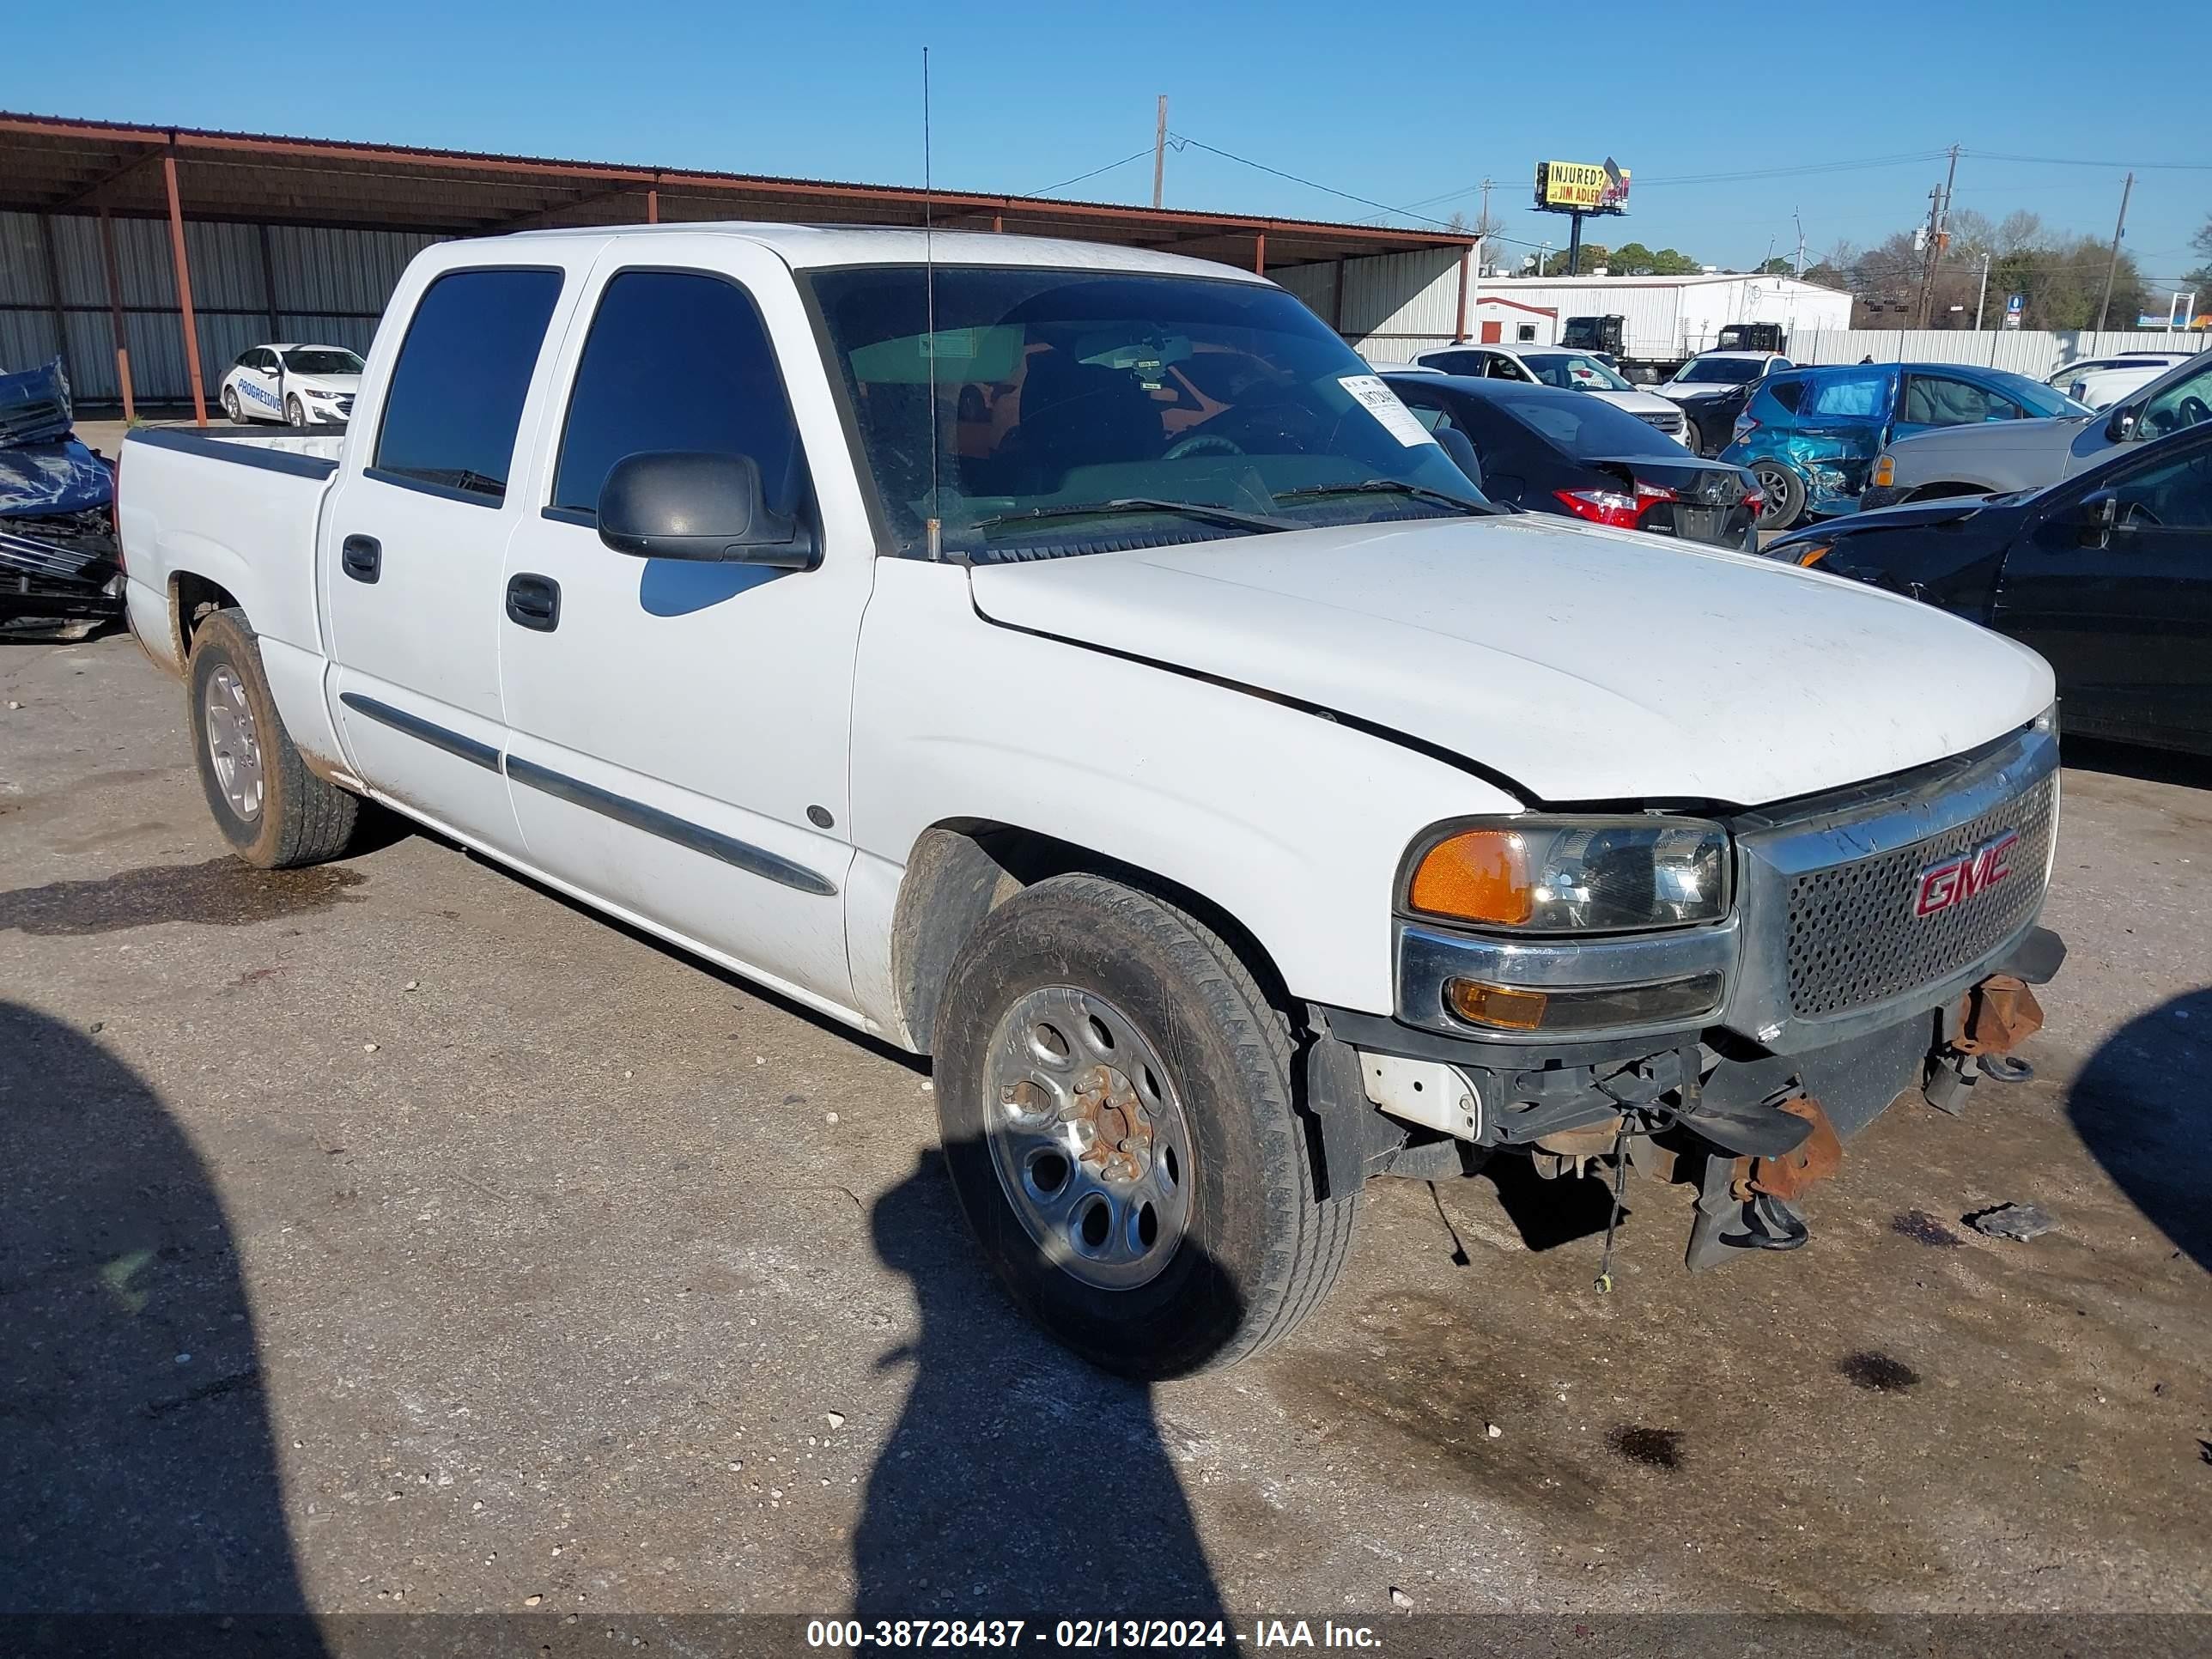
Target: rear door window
(455,401)
(1847,398)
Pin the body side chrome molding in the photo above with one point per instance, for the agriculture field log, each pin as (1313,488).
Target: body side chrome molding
(742,855)
(469,749)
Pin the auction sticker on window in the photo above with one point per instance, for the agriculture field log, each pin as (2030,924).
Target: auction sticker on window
(1382,403)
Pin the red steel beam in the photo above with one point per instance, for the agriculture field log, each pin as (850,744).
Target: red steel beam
(115,314)
(184,290)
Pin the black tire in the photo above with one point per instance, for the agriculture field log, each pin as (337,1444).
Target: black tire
(300,819)
(230,404)
(1261,1251)
(1785,492)
(1693,440)
(295,412)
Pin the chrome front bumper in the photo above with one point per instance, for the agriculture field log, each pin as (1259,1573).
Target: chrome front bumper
(1870,845)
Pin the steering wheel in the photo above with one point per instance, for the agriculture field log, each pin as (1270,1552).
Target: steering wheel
(2192,409)
(1202,443)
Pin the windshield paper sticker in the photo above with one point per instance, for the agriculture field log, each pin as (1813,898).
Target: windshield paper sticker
(1382,403)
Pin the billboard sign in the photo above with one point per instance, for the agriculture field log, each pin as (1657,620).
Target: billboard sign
(1582,187)
(2015,308)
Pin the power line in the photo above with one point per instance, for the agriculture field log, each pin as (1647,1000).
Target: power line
(1331,190)
(2076,161)
(1049,189)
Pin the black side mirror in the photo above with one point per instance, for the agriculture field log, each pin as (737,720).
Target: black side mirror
(2097,514)
(685,504)
(2121,426)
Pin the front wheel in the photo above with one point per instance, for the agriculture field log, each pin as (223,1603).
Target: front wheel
(1783,494)
(1115,1097)
(296,413)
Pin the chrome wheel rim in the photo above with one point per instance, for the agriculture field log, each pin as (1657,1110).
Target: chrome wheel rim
(233,743)
(1773,484)
(1088,1138)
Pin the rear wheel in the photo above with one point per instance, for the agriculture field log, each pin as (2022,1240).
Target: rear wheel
(274,813)
(230,404)
(1784,494)
(1114,1094)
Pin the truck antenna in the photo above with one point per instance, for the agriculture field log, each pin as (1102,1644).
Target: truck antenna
(933,525)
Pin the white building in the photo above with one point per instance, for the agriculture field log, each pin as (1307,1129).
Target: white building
(1395,304)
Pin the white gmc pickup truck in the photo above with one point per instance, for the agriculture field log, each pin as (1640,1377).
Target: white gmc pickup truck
(1072,664)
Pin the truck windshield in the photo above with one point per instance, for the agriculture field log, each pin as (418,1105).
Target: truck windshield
(1052,412)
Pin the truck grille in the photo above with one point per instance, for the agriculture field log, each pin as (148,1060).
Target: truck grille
(1671,422)
(1855,939)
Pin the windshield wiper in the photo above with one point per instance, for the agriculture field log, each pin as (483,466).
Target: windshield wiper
(1374,486)
(1200,510)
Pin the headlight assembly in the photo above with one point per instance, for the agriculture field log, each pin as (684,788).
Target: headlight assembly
(1572,875)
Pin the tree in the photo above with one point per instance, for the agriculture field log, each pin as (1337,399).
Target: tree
(1593,255)
(2201,278)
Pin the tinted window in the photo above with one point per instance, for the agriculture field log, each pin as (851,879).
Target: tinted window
(1788,393)
(2166,494)
(455,400)
(2185,401)
(321,360)
(676,360)
(1460,362)
(1848,398)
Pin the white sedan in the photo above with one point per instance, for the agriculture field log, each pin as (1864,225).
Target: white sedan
(1575,371)
(298,385)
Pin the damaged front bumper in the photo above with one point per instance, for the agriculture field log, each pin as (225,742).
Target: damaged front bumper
(1883,938)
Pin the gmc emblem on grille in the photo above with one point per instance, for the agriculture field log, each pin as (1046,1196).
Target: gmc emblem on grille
(1958,878)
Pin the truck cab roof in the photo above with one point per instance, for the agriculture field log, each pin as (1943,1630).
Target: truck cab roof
(813,247)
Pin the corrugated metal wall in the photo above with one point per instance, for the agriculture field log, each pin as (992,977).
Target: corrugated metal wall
(2033,352)
(250,285)
(1399,301)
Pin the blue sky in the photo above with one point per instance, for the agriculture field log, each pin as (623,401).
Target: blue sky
(1407,106)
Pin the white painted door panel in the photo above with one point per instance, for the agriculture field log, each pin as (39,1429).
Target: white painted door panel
(705,706)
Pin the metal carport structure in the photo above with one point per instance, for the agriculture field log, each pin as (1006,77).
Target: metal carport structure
(86,207)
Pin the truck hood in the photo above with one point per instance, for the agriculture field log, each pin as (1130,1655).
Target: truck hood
(1581,665)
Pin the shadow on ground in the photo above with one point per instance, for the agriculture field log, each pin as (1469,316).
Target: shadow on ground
(1018,1478)
(2138,1106)
(137,1472)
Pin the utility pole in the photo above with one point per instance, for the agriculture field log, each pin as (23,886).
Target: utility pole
(1939,234)
(1485,228)
(2112,269)
(1160,150)
(1800,223)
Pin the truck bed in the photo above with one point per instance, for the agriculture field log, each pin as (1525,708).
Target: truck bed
(241,510)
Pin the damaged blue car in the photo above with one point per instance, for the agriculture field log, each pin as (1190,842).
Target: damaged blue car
(1810,435)
(58,551)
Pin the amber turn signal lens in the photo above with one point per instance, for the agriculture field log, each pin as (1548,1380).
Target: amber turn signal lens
(1812,555)
(1500,1007)
(1478,875)
(1884,470)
